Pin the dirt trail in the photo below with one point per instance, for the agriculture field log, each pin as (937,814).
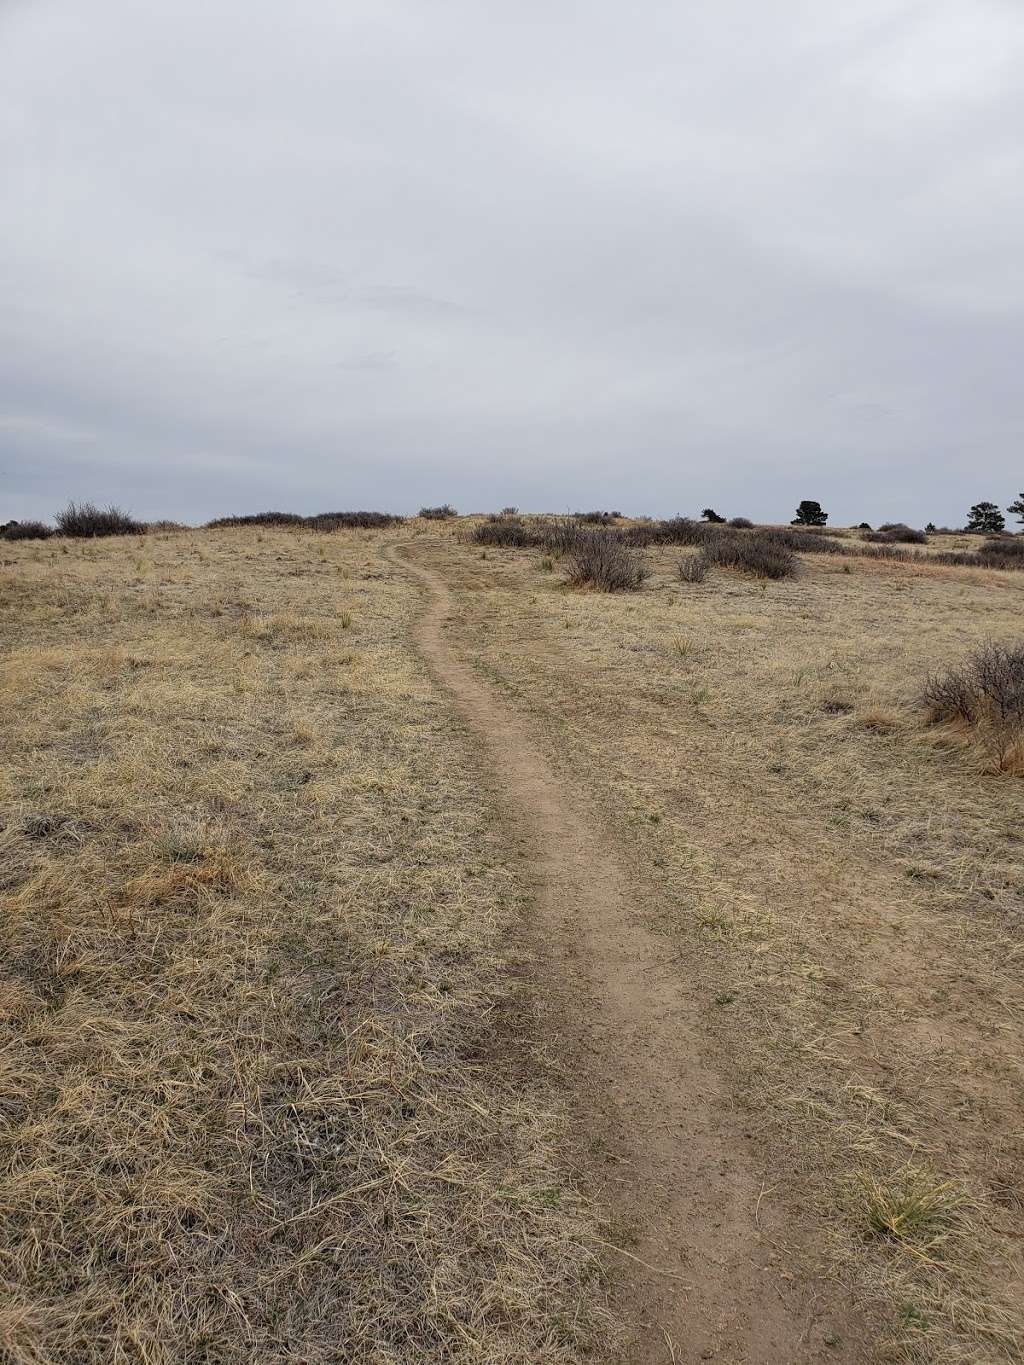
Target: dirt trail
(670,1162)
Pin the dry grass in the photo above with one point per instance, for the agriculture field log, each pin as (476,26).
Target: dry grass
(840,873)
(257,1098)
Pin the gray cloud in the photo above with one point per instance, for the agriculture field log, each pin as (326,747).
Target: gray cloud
(385,253)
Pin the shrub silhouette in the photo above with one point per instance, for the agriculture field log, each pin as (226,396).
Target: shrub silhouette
(741,523)
(321,521)
(86,519)
(26,530)
(895,533)
(443,513)
(257,519)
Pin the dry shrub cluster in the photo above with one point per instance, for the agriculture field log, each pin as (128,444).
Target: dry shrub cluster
(694,568)
(257,942)
(25,530)
(759,555)
(443,513)
(895,533)
(321,521)
(85,519)
(598,559)
(986,695)
(595,556)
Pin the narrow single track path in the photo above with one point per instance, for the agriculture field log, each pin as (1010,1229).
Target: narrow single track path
(703,1273)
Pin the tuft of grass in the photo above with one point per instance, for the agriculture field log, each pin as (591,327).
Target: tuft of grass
(911,1208)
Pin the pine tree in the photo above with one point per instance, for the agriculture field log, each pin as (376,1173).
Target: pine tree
(986,516)
(810,514)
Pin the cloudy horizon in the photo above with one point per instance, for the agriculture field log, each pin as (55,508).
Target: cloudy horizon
(375,255)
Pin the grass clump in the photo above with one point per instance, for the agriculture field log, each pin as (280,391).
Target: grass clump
(985,695)
(85,519)
(911,1208)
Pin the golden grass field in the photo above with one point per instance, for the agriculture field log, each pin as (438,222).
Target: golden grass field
(272,1087)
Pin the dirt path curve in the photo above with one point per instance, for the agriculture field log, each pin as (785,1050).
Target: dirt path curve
(669,1160)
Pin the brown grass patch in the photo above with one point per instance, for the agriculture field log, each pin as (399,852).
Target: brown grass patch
(254,1104)
(857,902)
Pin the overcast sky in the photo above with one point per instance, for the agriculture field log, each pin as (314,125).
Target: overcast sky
(332,254)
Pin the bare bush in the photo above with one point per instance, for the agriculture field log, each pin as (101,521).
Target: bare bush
(347,521)
(694,568)
(86,519)
(985,693)
(503,533)
(758,554)
(26,530)
(257,519)
(599,559)
(320,521)
(741,523)
(443,513)
(895,533)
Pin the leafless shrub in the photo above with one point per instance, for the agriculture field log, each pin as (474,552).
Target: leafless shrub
(599,559)
(503,533)
(694,568)
(26,530)
(895,533)
(346,521)
(87,520)
(443,513)
(758,554)
(986,694)
(320,521)
(258,519)
(741,523)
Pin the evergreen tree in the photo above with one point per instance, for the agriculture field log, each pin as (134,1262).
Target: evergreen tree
(810,514)
(986,516)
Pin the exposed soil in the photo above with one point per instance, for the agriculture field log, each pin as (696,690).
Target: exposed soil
(705,1264)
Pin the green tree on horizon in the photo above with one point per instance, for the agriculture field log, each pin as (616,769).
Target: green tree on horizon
(809,513)
(986,516)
